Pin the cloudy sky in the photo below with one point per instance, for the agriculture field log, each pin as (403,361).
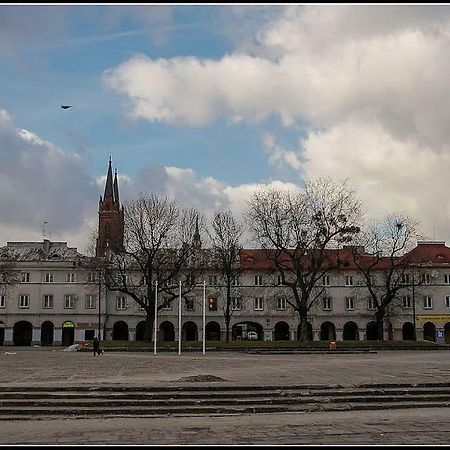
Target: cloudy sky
(206,103)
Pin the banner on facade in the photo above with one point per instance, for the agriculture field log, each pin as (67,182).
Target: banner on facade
(444,318)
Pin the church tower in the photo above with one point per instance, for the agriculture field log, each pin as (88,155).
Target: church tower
(110,218)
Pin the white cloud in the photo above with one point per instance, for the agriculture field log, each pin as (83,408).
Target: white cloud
(369,81)
(39,182)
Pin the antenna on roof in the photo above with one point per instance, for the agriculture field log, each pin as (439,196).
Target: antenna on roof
(43,230)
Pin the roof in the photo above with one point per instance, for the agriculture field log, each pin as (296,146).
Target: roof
(39,251)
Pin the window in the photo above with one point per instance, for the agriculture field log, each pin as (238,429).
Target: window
(142,281)
(326,280)
(90,301)
(49,278)
(281,304)
(70,278)
(427,302)
(47,301)
(447,301)
(2,301)
(279,280)
(167,304)
(24,301)
(92,277)
(349,304)
(236,303)
(121,303)
(212,304)
(349,280)
(258,280)
(447,278)
(25,278)
(406,301)
(258,304)
(426,278)
(236,281)
(405,278)
(326,303)
(371,304)
(212,280)
(69,301)
(189,304)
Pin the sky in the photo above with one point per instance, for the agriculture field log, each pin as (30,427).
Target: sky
(206,103)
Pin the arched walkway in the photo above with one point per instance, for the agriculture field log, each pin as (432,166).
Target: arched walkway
(212,331)
(239,330)
(327,332)
(47,333)
(429,331)
(372,331)
(140,331)
(120,331)
(446,332)
(351,332)
(167,331)
(309,331)
(190,332)
(408,331)
(281,331)
(22,333)
(68,333)
(2,333)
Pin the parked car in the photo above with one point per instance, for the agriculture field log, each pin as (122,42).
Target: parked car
(252,336)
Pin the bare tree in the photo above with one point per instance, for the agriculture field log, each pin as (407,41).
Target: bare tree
(9,272)
(301,233)
(225,237)
(159,247)
(382,258)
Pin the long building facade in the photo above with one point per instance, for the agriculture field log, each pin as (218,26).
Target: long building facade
(57,300)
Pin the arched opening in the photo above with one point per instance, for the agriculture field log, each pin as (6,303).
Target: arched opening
(309,331)
(120,331)
(327,332)
(408,331)
(245,330)
(167,331)
(212,331)
(68,333)
(47,333)
(22,333)
(281,331)
(372,331)
(2,333)
(446,332)
(351,332)
(140,330)
(190,332)
(429,332)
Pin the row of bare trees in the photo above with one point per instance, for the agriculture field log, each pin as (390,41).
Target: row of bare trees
(304,234)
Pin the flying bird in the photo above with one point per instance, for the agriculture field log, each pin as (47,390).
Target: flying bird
(66,106)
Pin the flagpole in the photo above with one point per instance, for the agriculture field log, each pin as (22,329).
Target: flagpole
(179,323)
(156,317)
(204,316)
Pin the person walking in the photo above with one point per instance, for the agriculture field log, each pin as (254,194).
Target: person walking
(97,350)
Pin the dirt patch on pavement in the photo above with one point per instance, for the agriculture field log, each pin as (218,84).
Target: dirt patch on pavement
(201,378)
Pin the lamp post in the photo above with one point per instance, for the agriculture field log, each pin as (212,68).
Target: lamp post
(99,306)
(414,308)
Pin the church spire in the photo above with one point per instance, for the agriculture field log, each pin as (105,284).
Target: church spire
(116,189)
(197,241)
(109,183)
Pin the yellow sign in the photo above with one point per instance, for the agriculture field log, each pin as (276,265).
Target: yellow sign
(447,318)
(68,324)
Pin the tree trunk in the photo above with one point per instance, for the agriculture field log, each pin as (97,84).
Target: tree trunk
(303,331)
(379,316)
(149,324)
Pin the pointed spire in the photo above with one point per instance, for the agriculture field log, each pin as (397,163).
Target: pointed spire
(197,241)
(109,183)
(116,188)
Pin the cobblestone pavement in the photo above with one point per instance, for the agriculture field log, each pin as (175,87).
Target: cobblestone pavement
(24,366)
(50,366)
(394,427)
